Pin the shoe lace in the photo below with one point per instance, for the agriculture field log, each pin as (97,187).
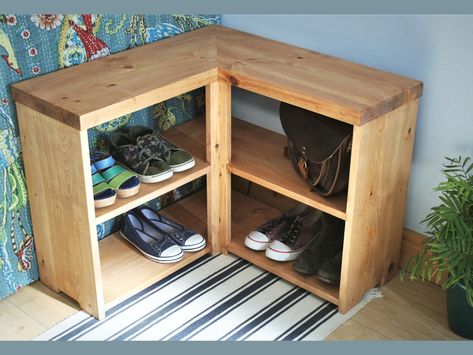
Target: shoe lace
(271,226)
(148,156)
(292,234)
(162,147)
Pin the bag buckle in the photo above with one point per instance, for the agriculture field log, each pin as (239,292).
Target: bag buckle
(302,164)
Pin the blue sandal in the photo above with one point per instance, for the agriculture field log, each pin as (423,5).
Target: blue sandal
(122,180)
(104,194)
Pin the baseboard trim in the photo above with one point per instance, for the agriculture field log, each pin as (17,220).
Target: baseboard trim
(412,244)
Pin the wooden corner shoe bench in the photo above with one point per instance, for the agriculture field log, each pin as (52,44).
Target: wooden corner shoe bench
(55,111)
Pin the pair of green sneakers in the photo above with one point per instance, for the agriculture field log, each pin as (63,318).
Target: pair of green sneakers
(149,155)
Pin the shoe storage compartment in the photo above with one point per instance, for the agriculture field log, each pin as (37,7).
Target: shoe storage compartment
(257,156)
(381,107)
(125,271)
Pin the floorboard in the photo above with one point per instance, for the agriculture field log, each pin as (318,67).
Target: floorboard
(407,311)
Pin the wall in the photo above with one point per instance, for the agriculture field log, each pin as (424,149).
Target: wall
(435,49)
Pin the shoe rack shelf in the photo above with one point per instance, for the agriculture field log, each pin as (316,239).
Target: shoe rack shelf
(381,107)
(125,271)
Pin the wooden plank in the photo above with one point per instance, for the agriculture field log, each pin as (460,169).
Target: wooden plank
(413,244)
(95,92)
(248,214)
(15,324)
(218,147)
(59,185)
(379,173)
(268,197)
(338,88)
(258,156)
(37,298)
(126,271)
(261,160)
(407,310)
(150,191)
(86,95)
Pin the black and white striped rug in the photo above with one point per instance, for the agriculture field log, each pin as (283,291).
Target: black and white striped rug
(214,298)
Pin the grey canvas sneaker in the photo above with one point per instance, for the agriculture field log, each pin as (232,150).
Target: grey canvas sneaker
(303,231)
(260,238)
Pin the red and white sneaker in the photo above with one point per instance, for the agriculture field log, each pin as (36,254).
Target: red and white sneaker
(303,231)
(260,238)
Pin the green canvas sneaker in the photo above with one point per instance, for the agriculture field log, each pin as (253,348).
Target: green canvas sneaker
(178,159)
(149,167)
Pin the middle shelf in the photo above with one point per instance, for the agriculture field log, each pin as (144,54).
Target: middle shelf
(257,156)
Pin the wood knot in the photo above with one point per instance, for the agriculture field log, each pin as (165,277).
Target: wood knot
(233,80)
(409,131)
(128,66)
(110,85)
(299,57)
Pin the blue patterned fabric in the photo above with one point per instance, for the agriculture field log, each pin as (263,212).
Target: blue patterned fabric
(32,45)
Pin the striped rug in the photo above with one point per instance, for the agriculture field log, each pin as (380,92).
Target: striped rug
(214,298)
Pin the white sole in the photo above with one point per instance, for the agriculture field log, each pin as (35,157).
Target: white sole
(281,256)
(195,247)
(124,193)
(255,245)
(105,202)
(162,260)
(151,179)
(184,166)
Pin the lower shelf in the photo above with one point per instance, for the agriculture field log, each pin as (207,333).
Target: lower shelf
(247,214)
(125,271)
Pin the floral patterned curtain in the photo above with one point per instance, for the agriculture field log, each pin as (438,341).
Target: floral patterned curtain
(32,45)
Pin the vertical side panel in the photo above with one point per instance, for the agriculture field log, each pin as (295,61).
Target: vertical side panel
(58,174)
(218,131)
(379,173)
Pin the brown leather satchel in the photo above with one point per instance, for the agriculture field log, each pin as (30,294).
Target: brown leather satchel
(319,148)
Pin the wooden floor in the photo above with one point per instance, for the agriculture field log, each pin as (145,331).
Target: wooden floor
(408,310)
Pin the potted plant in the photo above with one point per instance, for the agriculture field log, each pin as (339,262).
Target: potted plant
(449,246)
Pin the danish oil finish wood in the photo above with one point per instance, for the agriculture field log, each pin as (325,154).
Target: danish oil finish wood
(257,155)
(218,138)
(57,166)
(381,107)
(119,258)
(248,214)
(134,79)
(379,173)
(150,191)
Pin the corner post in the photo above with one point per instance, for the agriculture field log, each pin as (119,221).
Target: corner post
(218,135)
